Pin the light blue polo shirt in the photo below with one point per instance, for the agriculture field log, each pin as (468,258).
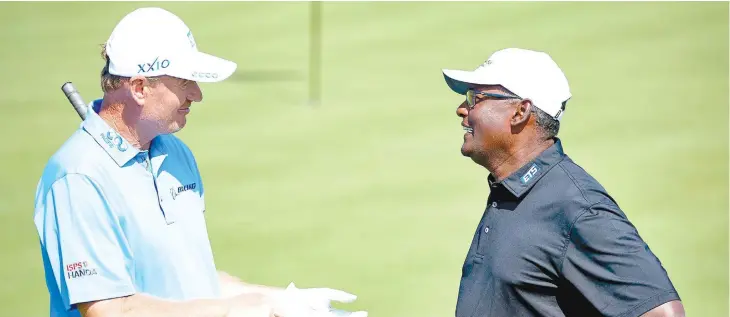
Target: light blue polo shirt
(115,221)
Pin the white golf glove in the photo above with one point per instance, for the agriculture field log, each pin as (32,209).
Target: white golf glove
(314,302)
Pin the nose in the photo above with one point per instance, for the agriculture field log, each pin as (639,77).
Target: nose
(462,110)
(194,92)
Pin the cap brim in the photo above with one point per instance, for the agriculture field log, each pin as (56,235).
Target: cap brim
(202,67)
(460,80)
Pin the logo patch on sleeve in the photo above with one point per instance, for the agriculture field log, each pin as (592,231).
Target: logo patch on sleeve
(530,174)
(79,269)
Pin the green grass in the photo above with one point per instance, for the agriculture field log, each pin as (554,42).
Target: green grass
(368,192)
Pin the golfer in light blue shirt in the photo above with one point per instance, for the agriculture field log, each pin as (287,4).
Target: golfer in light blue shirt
(120,208)
(115,220)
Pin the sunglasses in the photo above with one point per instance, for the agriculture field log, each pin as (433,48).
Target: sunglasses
(471,97)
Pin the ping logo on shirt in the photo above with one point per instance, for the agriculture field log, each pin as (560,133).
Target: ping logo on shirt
(79,269)
(530,174)
(487,62)
(177,191)
(191,39)
(114,140)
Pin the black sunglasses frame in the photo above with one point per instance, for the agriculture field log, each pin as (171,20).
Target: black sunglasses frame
(471,99)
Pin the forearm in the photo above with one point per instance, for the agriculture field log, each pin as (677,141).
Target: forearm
(232,286)
(670,309)
(143,306)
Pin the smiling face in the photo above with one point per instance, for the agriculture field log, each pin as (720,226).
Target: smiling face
(167,103)
(487,119)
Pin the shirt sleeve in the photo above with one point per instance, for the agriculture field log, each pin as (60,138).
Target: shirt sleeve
(202,188)
(200,178)
(612,267)
(85,249)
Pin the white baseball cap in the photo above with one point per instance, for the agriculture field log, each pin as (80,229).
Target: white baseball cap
(528,74)
(154,42)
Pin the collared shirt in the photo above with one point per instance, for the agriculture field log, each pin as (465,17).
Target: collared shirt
(114,221)
(552,242)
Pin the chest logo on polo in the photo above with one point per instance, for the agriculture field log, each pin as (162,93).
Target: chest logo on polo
(175,191)
(530,174)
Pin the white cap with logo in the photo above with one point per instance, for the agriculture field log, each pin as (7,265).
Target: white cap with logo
(154,42)
(528,74)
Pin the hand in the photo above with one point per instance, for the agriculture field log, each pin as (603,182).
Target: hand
(312,302)
(250,305)
(342,313)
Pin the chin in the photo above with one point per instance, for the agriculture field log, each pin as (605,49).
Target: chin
(175,127)
(179,124)
(472,153)
(466,151)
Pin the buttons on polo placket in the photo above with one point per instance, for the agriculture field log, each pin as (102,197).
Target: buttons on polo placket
(163,200)
(144,160)
(148,164)
(493,205)
(144,164)
(166,205)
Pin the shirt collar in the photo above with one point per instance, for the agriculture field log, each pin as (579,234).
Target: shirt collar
(158,152)
(519,182)
(119,149)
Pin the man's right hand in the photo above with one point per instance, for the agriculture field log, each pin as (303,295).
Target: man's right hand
(270,305)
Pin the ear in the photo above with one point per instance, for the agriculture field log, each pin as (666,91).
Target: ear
(522,113)
(137,86)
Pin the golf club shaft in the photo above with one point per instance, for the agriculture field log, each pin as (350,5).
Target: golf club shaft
(75,99)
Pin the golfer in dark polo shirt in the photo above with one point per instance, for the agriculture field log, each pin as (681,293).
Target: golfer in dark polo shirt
(552,241)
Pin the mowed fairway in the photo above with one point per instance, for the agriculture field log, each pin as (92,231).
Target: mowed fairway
(368,192)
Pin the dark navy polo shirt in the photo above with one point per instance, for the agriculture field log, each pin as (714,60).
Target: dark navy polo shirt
(552,242)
